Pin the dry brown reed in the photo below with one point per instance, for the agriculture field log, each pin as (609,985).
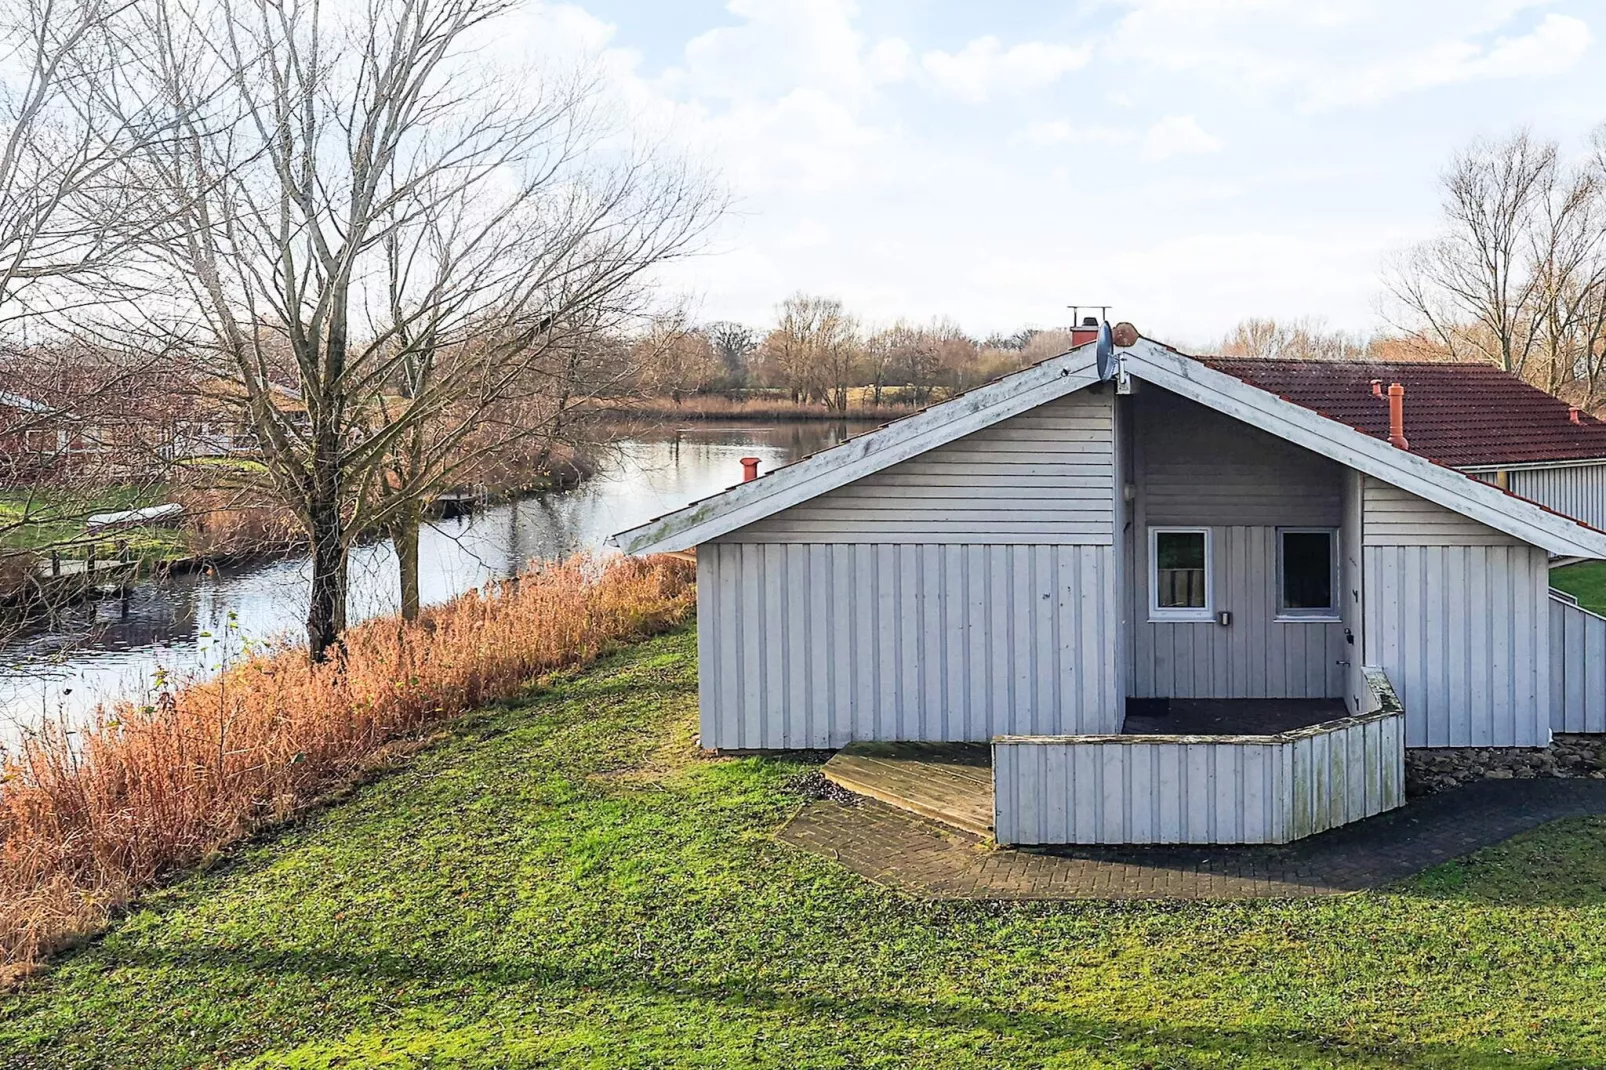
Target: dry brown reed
(719,407)
(89,819)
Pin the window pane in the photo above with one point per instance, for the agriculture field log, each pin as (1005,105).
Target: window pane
(1180,569)
(1307,570)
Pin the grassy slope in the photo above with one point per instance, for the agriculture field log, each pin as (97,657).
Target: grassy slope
(56,517)
(562,883)
(1585,581)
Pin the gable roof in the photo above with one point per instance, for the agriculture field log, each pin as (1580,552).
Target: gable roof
(1239,398)
(864,455)
(22,404)
(1462,415)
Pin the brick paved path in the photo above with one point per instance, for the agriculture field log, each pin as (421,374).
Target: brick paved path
(929,860)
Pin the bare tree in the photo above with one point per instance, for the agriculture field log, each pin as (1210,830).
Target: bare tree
(733,344)
(367,221)
(71,215)
(1305,338)
(838,353)
(1515,238)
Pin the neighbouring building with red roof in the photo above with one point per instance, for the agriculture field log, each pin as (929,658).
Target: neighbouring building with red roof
(1472,417)
(1127,595)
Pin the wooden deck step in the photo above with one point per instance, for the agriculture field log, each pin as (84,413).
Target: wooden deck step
(947,782)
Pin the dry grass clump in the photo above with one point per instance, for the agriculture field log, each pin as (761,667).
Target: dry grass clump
(89,819)
(719,407)
(222,523)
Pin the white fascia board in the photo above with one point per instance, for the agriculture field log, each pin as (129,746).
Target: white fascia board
(1483,502)
(748,503)
(1533,466)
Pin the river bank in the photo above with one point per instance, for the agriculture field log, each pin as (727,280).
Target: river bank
(188,625)
(92,813)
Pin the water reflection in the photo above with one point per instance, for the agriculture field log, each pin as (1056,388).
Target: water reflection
(195,623)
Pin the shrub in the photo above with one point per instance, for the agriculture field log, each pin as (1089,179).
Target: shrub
(88,819)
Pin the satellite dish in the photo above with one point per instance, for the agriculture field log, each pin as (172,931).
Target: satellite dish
(1106,353)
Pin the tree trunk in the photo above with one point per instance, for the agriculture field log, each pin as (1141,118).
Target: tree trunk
(405,535)
(326,606)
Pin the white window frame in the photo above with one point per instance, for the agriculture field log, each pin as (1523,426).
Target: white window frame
(1174,613)
(1331,613)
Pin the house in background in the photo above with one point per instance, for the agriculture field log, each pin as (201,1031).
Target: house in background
(39,440)
(1471,417)
(1187,600)
(211,419)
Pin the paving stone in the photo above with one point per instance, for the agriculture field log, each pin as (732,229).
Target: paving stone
(925,859)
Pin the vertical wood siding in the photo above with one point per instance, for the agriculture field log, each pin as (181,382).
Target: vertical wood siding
(1357,693)
(1197,789)
(1463,633)
(1195,466)
(1258,656)
(1579,491)
(1043,477)
(812,646)
(1577,668)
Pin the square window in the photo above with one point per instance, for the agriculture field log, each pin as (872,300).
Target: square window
(1179,576)
(1307,572)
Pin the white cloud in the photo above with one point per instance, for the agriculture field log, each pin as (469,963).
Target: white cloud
(1053,132)
(891,60)
(1176,135)
(984,67)
(1555,45)
(1332,54)
(778,46)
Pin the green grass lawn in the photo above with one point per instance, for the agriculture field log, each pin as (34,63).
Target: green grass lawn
(1585,581)
(42,518)
(563,883)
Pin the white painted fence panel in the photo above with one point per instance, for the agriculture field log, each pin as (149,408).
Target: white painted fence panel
(1197,789)
(1577,668)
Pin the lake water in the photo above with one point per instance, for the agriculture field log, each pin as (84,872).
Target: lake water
(194,623)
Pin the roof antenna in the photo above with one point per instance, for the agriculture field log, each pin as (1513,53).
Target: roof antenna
(1109,365)
(1076,313)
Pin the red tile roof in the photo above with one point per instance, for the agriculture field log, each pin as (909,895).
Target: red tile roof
(1460,415)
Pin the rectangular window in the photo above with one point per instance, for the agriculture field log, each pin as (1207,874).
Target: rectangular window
(1179,574)
(1307,572)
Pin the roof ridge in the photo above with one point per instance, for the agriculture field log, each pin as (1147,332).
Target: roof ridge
(1361,361)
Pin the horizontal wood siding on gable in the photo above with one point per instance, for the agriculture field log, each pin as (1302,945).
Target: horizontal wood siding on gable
(815,646)
(1045,477)
(1197,466)
(1393,517)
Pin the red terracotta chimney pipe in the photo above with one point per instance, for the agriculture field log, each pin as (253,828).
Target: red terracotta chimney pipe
(1397,417)
(1085,332)
(750,469)
(1377,389)
(1573,413)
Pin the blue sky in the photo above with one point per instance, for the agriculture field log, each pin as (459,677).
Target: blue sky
(1191,162)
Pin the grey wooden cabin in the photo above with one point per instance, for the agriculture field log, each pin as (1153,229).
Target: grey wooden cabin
(1027,564)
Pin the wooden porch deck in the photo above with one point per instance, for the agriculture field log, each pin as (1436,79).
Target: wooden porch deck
(953,783)
(947,782)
